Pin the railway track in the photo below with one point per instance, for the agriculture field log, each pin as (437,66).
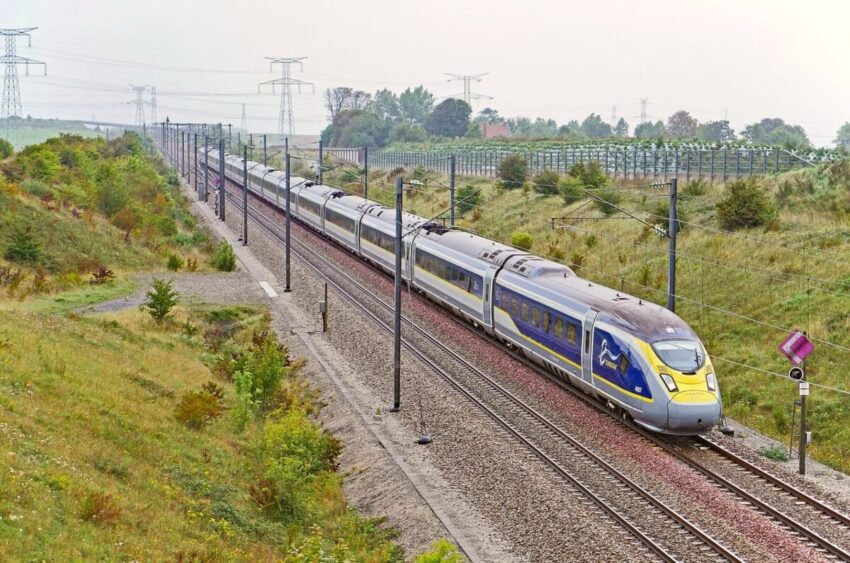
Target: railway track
(620,499)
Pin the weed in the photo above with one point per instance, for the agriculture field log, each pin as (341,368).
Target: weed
(196,409)
(696,187)
(174,262)
(191,264)
(23,247)
(117,470)
(522,239)
(546,182)
(224,259)
(101,276)
(555,252)
(100,508)
(776,453)
(441,551)
(577,261)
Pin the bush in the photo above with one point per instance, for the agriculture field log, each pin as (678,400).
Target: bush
(546,182)
(661,216)
(6,149)
(745,205)
(522,239)
(696,188)
(161,299)
(174,262)
(776,453)
(196,409)
(607,201)
(571,190)
(224,259)
(101,276)
(590,175)
(513,171)
(23,247)
(576,261)
(467,198)
(35,187)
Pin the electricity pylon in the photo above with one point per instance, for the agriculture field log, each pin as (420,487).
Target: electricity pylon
(468,94)
(140,104)
(243,124)
(11,104)
(643,115)
(153,104)
(286,82)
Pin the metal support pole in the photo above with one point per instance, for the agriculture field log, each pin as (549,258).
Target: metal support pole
(325,310)
(221,180)
(195,164)
(321,163)
(265,152)
(804,392)
(229,136)
(671,264)
(288,181)
(397,294)
(206,166)
(452,190)
(366,172)
(244,196)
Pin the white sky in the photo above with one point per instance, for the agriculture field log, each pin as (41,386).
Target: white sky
(750,58)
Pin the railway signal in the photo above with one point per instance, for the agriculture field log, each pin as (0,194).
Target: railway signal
(796,373)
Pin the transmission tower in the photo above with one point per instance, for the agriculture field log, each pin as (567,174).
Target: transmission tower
(286,82)
(244,123)
(153,104)
(140,104)
(643,115)
(468,79)
(11,105)
(613,115)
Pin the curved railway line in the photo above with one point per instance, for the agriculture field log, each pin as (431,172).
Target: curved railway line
(472,382)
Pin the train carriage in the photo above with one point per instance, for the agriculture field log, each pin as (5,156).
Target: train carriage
(377,237)
(309,203)
(343,214)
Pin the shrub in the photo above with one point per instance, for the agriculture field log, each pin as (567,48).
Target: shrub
(590,175)
(571,190)
(100,508)
(576,261)
(607,201)
(661,216)
(196,409)
(522,239)
(776,453)
(555,252)
(513,171)
(224,259)
(696,188)
(160,300)
(467,198)
(35,187)
(174,262)
(546,182)
(23,247)
(6,149)
(745,205)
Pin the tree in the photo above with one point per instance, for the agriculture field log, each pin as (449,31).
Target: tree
(513,171)
(385,105)
(571,129)
(449,119)
(650,130)
(407,133)
(6,149)
(112,191)
(621,130)
(681,125)
(336,100)
(358,128)
(520,126)
(467,198)
(415,104)
(842,138)
(594,128)
(488,115)
(23,247)
(774,131)
(546,182)
(716,131)
(359,100)
(161,298)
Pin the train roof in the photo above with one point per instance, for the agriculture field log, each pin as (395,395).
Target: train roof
(471,244)
(642,318)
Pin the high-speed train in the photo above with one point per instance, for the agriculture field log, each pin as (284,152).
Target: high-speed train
(637,357)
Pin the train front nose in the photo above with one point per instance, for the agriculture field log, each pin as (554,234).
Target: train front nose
(692,412)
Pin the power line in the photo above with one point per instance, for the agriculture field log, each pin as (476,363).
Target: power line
(285,117)
(11,105)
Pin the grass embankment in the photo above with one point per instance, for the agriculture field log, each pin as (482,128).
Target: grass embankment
(26,135)
(790,273)
(82,216)
(127,440)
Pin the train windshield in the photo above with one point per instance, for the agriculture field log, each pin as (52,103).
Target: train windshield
(683,355)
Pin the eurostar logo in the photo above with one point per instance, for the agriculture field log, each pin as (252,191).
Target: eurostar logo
(606,358)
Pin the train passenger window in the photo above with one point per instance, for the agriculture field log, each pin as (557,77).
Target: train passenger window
(461,277)
(571,334)
(535,316)
(525,312)
(624,363)
(559,327)
(546,324)
(515,306)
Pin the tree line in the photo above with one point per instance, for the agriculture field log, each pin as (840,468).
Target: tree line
(358,118)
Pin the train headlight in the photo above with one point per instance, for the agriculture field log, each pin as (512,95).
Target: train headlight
(711,381)
(669,382)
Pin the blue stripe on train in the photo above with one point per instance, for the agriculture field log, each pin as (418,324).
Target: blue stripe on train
(610,356)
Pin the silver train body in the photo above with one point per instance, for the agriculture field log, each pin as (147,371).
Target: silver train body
(636,356)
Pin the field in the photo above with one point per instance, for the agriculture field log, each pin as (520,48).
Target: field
(738,290)
(26,136)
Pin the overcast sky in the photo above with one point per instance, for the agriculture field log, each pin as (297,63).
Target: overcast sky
(747,59)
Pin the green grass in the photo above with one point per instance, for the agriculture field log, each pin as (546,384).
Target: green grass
(75,298)
(25,136)
(764,281)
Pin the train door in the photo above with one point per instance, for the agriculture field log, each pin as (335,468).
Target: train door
(488,302)
(587,346)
